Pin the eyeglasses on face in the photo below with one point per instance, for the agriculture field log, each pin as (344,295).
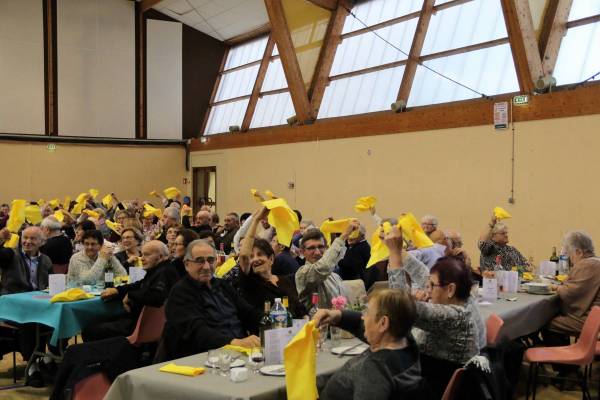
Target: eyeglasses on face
(202,260)
(320,247)
(431,285)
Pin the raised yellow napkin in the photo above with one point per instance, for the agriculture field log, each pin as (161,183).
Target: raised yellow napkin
(41,202)
(300,361)
(501,213)
(82,197)
(149,210)
(54,203)
(70,295)
(153,193)
(58,214)
(67,203)
(225,267)
(283,218)
(16,216)
(241,349)
(107,201)
(91,213)
(78,208)
(171,192)
(379,250)
(113,226)
(94,193)
(365,203)
(13,242)
(269,194)
(337,226)
(256,195)
(182,369)
(33,214)
(411,230)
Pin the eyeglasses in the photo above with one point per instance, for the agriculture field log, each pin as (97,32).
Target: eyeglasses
(431,285)
(202,260)
(313,248)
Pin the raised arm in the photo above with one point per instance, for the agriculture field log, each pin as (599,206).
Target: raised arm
(402,264)
(246,249)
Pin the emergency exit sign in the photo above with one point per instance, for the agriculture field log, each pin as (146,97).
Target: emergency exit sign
(521,100)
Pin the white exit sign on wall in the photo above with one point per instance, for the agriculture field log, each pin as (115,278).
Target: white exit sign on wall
(51,147)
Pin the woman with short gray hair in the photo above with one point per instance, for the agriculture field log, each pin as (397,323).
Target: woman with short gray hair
(493,242)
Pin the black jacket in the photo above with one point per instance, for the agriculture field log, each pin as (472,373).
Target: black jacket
(15,272)
(354,263)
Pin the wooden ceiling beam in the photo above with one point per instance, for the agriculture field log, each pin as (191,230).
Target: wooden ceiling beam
(253,34)
(326,57)
(554,28)
(523,43)
(260,78)
(148,4)
(281,34)
(415,51)
(330,5)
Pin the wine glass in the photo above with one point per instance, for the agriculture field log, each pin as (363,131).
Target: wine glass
(257,357)
(225,360)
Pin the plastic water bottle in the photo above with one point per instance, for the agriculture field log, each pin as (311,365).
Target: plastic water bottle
(563,264)
(278,315)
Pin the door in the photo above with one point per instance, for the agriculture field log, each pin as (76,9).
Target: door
(205,187)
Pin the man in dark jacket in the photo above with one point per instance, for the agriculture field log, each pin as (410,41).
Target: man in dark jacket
(151,291)
(205,313)
(225,237)
(354,263)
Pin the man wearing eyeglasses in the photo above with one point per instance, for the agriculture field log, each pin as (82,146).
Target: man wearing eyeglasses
(204,312)
(316,275)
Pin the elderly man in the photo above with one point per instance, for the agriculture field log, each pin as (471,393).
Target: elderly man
(429,223)
(316,275)
(58,246)
(206,313)
(455,248)
(493,242)
(151,291)
(357,255)
(224,238)
(202,221)
(170,217)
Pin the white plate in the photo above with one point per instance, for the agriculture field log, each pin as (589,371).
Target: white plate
(95,292)
(273,370)
(354,352)
(236,364)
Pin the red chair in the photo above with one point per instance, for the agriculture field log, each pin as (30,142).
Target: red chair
(93,387)
(451,391)
(149,326)
(60,268)
(493,325)
(581,353)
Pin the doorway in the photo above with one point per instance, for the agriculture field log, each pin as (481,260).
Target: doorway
(205,187)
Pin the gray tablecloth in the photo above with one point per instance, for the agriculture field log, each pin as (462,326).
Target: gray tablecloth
(526,315)
(148,383)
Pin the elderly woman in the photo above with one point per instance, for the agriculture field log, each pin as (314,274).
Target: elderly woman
(88,266)
(429,223)
(172,233)
(131,240)
(390,368)
(449,329)
(493,242)
(185,237)
(257,283)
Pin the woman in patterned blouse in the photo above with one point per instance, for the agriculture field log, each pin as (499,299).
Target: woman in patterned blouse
(493,242)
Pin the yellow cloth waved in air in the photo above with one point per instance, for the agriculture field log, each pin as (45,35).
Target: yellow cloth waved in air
(337,226)
(171,192)
(300,361)
(58,214)
(113,226)
(411,230)
(379,251)
(67,203)
(13,242)
(41,202)
(107,201)
(82,197)
(283,218)
(149,210)
(16,217)
(365,203)
(256,195)
(33,214)
(182,369)
(501,213)
(240,349)
(225,267)
(269,194)
(94,193)
(54,203)
(92,214)
(70,295)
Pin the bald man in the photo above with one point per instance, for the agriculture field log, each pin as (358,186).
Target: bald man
(151,291)
(202,221)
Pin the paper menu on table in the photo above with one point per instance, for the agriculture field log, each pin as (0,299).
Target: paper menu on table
(490,289)
(277,339)
(136,274)
(57,283)
(511,281)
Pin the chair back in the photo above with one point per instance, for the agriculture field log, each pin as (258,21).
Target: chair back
(589,335)
(93,387)
(60,268)
(492,326)
(451,391)
(149,326)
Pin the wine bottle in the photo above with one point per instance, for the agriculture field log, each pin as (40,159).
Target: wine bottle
(265,322)
(290,319)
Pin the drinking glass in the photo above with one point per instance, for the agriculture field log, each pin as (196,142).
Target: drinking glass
(323,329)
(213,360)
(257,358)
(224,363)
(335,336)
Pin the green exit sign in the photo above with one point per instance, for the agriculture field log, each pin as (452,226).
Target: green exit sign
(51,147)
(521,99)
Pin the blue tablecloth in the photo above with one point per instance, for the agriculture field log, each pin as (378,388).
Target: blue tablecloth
(67,319)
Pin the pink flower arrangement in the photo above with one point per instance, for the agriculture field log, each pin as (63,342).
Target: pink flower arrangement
(339,302)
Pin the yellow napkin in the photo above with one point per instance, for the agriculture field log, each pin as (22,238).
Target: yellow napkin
(58,214)
(411,230)
(300,361)
(113,226)
(241,349)
(94,193)
(171,192)
(501,213)
(182,369)
(379,250)
(256,195)
(269,194)
(107,200)
(149,210)
(12,242)
(33,214)
(153,193)
(225,267)
(78,208)
(365,203)
(91,213)
(67,203)
(16,217)
(41,202)
(82,197)
(70,295)
(561,278)
(54,203)
(337,226)
(527,276)
(283,218)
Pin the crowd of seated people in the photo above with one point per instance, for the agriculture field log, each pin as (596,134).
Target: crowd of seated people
(421,329)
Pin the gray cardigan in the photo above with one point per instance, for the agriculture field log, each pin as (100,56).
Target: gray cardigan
(15,272)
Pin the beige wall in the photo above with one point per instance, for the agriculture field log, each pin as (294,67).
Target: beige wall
(31,171)
(457,174)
